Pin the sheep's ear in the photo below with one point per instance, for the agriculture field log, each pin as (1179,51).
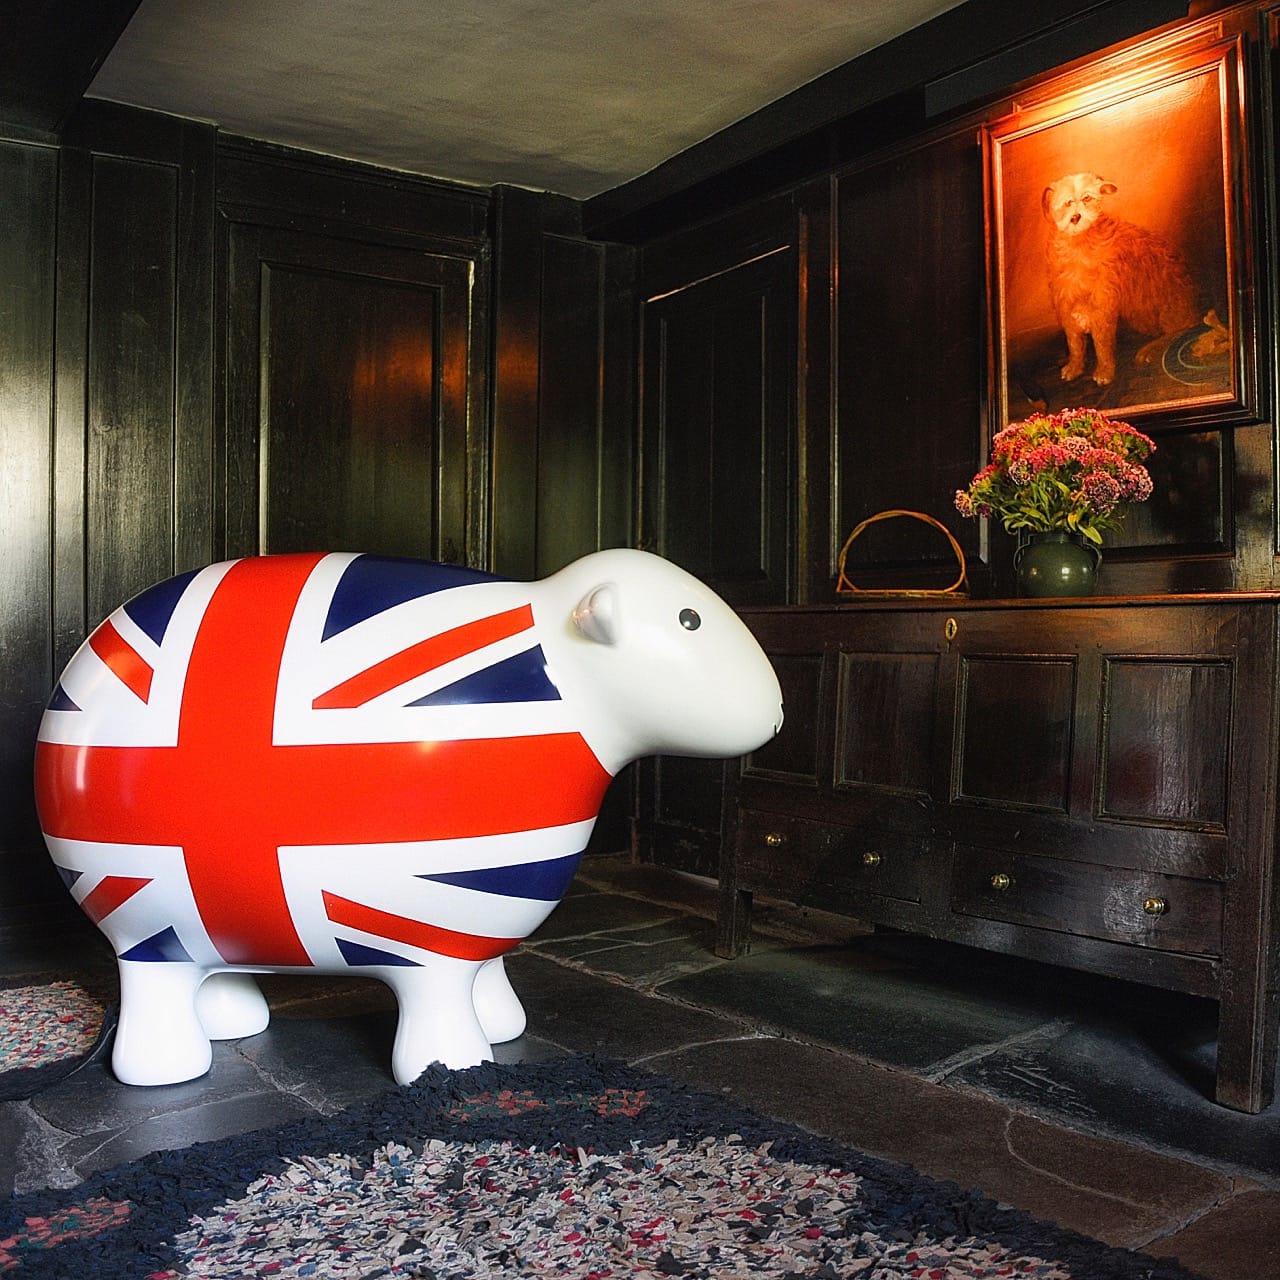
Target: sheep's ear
(597,614)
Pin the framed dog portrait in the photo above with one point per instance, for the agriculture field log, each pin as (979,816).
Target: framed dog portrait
(1121,260)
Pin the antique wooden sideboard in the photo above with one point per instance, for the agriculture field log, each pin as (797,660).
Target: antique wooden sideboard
(1089,782)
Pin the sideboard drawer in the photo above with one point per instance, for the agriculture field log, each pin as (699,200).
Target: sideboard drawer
(1171,913)
(785,853)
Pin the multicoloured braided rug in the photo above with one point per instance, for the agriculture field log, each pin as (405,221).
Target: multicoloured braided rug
(577,1167)
(47,1030)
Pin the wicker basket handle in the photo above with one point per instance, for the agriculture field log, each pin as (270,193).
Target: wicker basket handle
(959,587)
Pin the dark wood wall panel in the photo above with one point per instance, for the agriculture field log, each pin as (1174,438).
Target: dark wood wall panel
(719,394)
(106,333)
(562,471)
(130,460)
(909,424)
(569,418)
(585,458)
(1189,511)
(739,500)
(28,222)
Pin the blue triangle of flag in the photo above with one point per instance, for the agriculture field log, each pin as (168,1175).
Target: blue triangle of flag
(357,954)
(68,876)
(58,701)
(371,584)
(522,678)
(162,946)
(541,881)
(152,610)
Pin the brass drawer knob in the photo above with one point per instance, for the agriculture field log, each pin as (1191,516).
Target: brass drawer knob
(1155,906)
(775,840)
(1000,882)
(871,858)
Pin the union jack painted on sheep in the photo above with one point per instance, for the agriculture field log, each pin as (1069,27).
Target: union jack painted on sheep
(351,763)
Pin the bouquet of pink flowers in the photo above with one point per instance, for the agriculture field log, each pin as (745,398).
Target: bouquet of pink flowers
(1074,471)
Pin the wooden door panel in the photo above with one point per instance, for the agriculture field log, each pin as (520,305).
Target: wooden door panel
(719,409)
(351,380)
(356,468)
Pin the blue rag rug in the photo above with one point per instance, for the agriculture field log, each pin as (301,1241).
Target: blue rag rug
(577,1167)
(50,1027)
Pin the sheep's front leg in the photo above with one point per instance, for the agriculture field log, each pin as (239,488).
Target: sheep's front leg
(438,1021)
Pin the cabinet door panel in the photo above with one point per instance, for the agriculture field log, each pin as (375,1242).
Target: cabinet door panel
(1014,731)
(793,755)
(1165,741)
(884,735)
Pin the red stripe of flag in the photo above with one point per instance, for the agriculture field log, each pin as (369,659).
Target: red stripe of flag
(110,893)
(126,663)
(424,656)
(416,933)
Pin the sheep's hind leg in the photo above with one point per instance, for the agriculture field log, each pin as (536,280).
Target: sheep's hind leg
(159,1039)
(231,1006)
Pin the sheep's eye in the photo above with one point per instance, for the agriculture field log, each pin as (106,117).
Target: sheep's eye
(689,619)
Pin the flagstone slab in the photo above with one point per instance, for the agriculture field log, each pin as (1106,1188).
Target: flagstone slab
(1241,1239)
(864,1003)
(586,912)
(1113,1191)
(1113,1078)
(90,1121)
(584,1013)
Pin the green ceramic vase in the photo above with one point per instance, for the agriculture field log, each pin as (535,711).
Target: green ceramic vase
(1056,564)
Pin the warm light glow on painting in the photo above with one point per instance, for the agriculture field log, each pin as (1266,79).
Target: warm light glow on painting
(1113,247)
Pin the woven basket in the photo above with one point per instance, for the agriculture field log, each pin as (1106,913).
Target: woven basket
(960,587)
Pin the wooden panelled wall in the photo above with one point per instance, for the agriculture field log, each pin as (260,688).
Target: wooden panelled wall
(214,348)
(820,354)
(210,347)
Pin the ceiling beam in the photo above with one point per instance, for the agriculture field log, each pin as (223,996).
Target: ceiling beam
(50,53)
